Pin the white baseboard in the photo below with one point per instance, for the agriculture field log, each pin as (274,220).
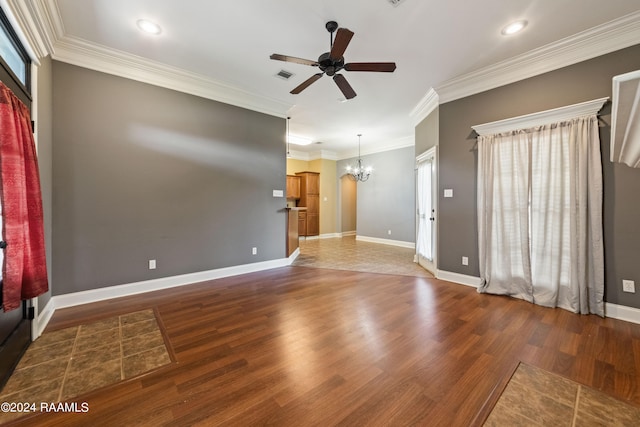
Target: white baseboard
(294,255)
(400,243)
(615,311)
(461,279)
(622,312)
(329,235)
(100,294)
(43,318)
(348,233)
(321,236)
(117,291)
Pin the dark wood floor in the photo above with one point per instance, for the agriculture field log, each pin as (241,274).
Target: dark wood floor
(301,346)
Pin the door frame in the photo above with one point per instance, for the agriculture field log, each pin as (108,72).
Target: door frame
(430,154)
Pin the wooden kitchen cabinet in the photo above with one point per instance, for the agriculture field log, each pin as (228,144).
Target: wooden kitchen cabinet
(293,229)
(313,224)
(302,223)
(293,187)
(310,199)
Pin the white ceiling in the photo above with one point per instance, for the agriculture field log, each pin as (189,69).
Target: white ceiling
(229,43)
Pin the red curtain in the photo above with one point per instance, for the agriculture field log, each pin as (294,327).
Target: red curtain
(24,271)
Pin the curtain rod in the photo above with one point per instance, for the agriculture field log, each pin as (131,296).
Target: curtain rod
(542,117)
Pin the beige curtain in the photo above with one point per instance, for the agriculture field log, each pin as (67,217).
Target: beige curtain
(540,215)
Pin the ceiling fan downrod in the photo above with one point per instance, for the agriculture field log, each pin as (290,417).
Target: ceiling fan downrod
(331,26)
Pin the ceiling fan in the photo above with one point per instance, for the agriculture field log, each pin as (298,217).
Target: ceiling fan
(330,63)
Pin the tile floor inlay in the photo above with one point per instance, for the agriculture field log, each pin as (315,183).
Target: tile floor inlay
(66,363)
(535,397)
(347,253)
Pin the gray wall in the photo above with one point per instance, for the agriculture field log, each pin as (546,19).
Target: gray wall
(457,168)
(44,129)
(427,132)
(142,172)
(387,200)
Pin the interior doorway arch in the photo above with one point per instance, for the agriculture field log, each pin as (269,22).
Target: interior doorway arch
(348,204)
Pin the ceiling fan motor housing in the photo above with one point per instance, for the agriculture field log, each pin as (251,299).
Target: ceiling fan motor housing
(328,65)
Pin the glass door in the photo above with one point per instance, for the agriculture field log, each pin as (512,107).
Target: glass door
(426,210)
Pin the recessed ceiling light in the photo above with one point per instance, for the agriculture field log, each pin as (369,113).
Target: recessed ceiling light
(514,27)
(149,27)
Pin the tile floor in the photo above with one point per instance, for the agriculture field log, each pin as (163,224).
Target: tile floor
(65,363)
(535,397)
(347,253)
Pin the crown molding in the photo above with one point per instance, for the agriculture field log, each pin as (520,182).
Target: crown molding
(25,20)
(555,115)
(409,141)
(312,155)
(600,40)
(298,155)
(350,154)
(40,22)
(427,104)
(99,58)
(44,31)
(323,154)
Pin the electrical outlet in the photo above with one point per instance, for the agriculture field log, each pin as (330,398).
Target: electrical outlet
(629,286)
(254,251)
(465,260)
(152,264)
(389,232)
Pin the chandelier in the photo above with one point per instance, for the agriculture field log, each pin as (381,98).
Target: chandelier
(358,172)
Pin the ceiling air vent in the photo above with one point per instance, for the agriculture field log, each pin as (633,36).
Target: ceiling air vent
(285,75)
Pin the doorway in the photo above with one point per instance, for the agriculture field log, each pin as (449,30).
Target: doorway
(426,204)
(348,204)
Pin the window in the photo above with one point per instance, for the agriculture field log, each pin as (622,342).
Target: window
(13,57)
(540,208)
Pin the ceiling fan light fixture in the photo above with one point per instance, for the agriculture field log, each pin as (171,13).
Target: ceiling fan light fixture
(514,27)
(149,27)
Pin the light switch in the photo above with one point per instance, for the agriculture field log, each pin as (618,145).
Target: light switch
(278,193)
(448,192)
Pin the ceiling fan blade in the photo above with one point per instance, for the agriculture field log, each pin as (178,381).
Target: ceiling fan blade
(344,86)
(385,67)
(305,84)
(343,37)
(286,58)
